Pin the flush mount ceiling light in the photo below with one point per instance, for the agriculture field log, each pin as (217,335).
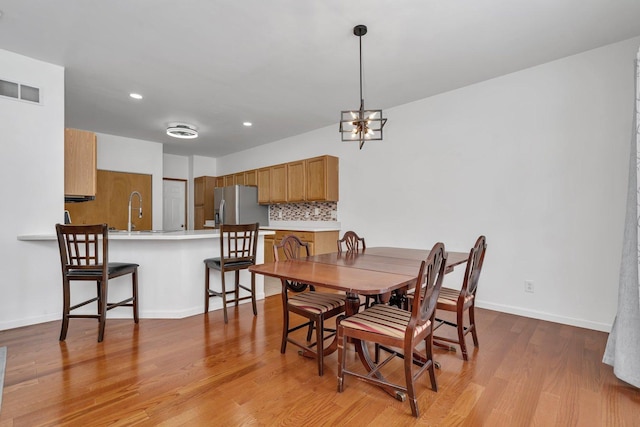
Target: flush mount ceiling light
(135,95)
(361,125)
(182,130)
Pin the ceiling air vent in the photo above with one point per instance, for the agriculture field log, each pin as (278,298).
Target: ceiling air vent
(19,91)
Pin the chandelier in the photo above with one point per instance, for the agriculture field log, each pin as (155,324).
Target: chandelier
(361,125)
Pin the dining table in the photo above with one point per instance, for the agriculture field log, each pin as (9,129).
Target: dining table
(381,272)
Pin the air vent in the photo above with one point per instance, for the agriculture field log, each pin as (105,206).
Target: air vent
(19,91)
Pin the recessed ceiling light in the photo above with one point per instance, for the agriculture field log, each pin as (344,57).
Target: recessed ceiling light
(182,130)
(247,124)
(135,95)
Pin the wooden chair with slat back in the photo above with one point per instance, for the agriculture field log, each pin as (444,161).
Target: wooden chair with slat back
(312,305)
(352,242)
(84,256)
(398,329)
(463,299)
(238,247)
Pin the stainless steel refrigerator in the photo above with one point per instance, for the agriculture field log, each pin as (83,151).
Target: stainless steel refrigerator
(238,204)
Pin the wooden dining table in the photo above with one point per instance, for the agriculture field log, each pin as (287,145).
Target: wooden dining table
(375,271)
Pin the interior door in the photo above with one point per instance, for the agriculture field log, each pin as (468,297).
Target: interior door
(174,204)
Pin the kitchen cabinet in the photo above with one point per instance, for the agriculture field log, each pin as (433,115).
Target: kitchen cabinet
(320,242)
(80,163)
(204,205)
(220,181)
(322,179)
(296,178)
(278,183)
(229,180)
(238,179)
(251,178)
(264,186)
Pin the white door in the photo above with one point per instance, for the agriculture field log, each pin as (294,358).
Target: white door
(174,196)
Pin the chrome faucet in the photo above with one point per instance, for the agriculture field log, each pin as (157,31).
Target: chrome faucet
(139,208)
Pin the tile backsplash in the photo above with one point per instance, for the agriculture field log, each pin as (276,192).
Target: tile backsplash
(310,211)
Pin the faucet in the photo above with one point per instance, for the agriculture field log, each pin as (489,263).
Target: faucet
(139,208)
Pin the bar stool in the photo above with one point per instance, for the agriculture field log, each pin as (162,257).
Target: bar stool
(84,256)
(238,246)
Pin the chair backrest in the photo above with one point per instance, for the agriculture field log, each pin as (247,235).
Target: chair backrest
(83,247)
(352,242)
(474,267)
(427,285)
(292,247)
(238,243)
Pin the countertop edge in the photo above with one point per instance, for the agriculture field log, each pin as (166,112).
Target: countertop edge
(170,235)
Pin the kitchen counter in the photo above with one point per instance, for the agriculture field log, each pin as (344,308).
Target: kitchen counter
(171,272)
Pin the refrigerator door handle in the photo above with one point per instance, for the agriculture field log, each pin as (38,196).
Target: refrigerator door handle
(222,211)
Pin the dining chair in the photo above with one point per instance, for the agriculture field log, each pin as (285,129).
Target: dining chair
(84,256)
(400,330)
(463,299)
(315,306)
(351,242)
(238,247)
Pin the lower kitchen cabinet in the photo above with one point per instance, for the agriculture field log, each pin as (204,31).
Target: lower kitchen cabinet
(320,242)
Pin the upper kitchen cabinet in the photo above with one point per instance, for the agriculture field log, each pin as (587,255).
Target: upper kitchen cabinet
(204,208)
(238,179)
(322,179)
(229,180)
(296,178)
(264,186)
(80,164)
(278,183)
(220,181)
(251,178)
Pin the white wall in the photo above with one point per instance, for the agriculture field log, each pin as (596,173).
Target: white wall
(119,154)
(176,167)
(32,156)
(535,160)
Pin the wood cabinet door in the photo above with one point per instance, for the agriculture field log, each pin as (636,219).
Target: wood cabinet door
(229,180)
(238,179)
(278,187)
(251,178)
(322,179)
(198,218)
(264,186)
(220,181)
(80,162)
(268,249)
(296,181)
(198,191)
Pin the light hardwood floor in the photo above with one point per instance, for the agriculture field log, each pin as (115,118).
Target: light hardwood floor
(197,371)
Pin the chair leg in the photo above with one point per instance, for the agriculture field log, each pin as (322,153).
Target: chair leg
(472,324)
(408,376)
(342,356)
(237,286)
(102,309)
(206,289)
(320,344)
(134,279)
(253,294)
(285,327)
(224,298)
(429,353)
(460,327)
(310,330)
(66,303)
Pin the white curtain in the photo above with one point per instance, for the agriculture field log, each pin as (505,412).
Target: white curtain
(623,347)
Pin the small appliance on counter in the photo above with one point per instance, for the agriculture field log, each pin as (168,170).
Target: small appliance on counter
(238,204)
(67,217)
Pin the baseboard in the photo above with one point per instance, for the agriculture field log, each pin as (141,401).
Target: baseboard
(540,315)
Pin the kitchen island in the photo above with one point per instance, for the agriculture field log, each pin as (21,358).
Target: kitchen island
(171,272)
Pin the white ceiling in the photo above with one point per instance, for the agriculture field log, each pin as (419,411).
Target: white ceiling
(288,66)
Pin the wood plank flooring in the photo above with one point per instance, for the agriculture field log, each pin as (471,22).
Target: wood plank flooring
(197,371)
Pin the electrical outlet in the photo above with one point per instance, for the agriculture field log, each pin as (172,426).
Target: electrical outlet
(334,215)
(317,211)
(528,286)
(280,215)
